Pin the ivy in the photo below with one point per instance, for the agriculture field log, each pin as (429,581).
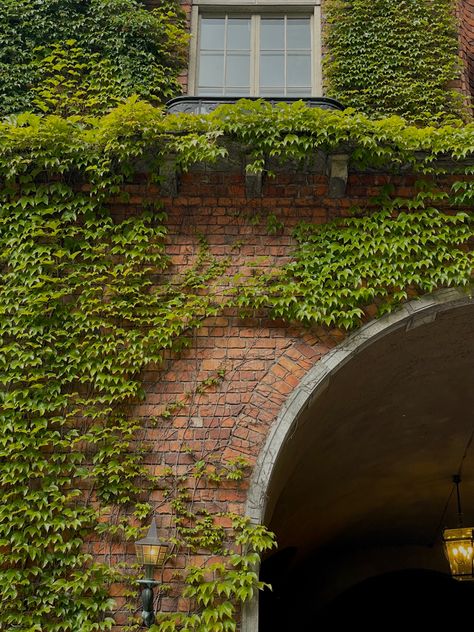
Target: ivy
(215,589)
(343,268)
(67,57)
(389,57)
(78,321)
(87,301)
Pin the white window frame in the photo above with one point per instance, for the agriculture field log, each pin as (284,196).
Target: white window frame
(255,9)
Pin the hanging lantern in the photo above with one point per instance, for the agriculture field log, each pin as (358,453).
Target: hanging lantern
(459,549)
(459,544)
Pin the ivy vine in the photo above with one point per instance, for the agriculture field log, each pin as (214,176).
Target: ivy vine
(87,302)
(345,268)
(389,57)
(67,57)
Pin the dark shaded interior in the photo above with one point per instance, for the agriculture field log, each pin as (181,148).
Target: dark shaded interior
(362,487)
(409,599)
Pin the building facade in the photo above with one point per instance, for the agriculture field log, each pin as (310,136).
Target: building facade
(350,439)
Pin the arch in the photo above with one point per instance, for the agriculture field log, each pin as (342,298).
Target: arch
(409,316)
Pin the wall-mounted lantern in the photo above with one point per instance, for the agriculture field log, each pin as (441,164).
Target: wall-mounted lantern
(151,552)
(459,544)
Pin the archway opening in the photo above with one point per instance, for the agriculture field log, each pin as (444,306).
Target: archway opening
(360,489)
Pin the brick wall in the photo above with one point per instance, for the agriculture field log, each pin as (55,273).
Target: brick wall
(264,360)
(466,39)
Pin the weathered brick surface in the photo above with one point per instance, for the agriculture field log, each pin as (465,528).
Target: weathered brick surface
(466,44)
(264,360)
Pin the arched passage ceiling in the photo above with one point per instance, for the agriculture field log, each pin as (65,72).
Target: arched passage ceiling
(372,459)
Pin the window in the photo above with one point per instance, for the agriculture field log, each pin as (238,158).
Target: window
(268,53)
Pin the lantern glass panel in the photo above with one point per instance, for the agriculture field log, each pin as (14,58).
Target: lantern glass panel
(459,549)
(151,554)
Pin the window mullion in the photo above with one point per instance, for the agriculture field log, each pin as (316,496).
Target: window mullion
(285,53)
(255,55)
(224,78)
(316,53)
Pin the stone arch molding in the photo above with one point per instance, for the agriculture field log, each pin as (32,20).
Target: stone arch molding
(411,315)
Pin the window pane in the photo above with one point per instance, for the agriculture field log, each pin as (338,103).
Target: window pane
(226,61)
(272,70)
(272,34)
(272,92)
(236,92)
(212,33)
(238,71)
(298,33)
(209,92)
(298,92)
(298,70)
(211,70)
(238,34)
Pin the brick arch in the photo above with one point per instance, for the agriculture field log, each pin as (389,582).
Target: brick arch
(296,353)
(315,381)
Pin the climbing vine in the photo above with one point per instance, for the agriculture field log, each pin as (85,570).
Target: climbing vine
(388,57)
(89,299)
(67,57)
(346,267)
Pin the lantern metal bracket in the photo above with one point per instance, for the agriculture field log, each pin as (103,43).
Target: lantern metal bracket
(457,481)
(148,612)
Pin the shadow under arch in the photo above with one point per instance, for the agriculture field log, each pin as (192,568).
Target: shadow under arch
(408,599)
(260,501)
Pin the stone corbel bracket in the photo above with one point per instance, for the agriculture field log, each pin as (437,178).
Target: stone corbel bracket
(253,182)
(169,177)
(338,168)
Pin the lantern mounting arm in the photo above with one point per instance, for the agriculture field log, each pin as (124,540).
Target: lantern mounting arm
(148,612)
(457,481)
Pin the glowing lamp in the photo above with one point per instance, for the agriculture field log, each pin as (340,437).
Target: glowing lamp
(459,549)
(459,544)
(150,551)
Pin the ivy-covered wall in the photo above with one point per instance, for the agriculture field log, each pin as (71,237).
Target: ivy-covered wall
(384,57)
(67,58)
(390,57)
(381,57)
(262,360)
(147,340)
